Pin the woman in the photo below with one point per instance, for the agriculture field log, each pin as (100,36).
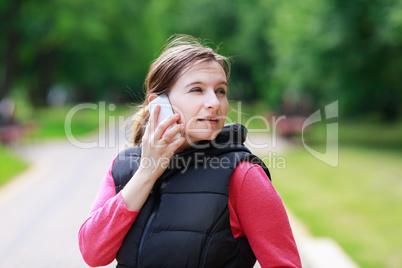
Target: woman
(198,200)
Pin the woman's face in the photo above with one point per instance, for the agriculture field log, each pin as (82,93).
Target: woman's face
(199,96)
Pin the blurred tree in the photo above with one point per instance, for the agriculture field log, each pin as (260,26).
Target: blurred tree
(91,46)
(369,73)
(252,56)
(236,28)
(344,50)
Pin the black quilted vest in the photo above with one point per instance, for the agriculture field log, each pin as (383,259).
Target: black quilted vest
(185,220)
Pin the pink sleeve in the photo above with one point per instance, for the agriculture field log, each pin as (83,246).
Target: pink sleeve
(257,211)
(102,234)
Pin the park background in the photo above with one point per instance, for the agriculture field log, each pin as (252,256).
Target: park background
(289,58)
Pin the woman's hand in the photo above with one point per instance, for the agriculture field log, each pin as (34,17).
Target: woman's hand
(158,146)
(159,143)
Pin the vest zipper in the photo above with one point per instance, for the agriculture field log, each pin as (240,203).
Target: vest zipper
(145,234)
(219,222)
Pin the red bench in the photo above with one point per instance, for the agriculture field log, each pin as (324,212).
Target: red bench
(12,133)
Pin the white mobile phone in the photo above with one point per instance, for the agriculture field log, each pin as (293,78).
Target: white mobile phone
(166,108)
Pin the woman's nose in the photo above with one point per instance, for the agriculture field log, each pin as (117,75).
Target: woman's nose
(211,101)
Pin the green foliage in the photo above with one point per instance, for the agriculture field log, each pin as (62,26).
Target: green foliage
(346,50)
(340,50)
(251,115)
(357,203)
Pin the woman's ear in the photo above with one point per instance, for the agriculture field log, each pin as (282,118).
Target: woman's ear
(151,97)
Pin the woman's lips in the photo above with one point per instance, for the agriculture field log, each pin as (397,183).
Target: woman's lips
(211,120)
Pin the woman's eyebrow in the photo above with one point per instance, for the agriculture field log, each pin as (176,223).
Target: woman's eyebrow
(223,82)
(201,83)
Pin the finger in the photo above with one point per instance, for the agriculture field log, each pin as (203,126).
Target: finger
(170,135)
(165,124)
(175,144)
(172,132)
(164,141)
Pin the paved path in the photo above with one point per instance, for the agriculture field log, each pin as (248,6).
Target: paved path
(42,209)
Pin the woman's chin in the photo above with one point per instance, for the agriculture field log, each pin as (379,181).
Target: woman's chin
(194,139)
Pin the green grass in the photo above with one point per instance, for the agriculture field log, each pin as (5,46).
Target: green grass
(358,203)
(51,121)
(10,165)
(361,134)
(50,124)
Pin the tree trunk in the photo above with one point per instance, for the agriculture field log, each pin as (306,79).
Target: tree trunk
(45,65)
(12,41)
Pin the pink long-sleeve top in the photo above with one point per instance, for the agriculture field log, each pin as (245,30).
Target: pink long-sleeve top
(256,211)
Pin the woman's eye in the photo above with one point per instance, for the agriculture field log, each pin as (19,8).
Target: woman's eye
(221,91)
(196,89)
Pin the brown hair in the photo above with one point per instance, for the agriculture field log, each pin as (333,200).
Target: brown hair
(179,54)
